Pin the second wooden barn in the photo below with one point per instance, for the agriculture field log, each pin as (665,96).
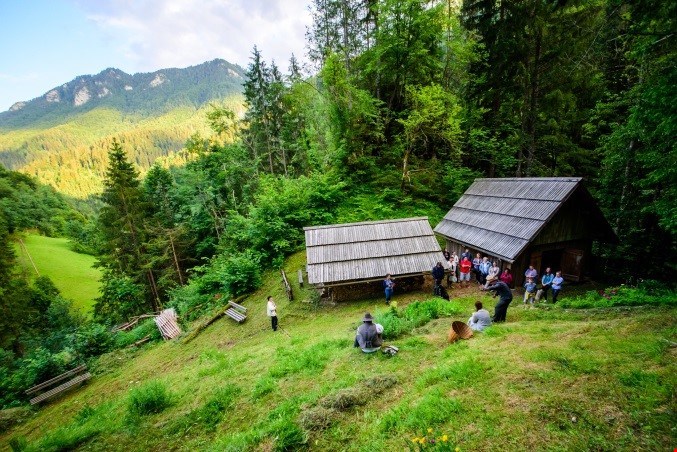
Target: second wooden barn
(544,222)
(350,260)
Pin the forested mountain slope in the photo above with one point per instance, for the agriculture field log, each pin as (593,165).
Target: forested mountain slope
(62,137)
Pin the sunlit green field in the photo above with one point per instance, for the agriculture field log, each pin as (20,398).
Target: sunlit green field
(71,272)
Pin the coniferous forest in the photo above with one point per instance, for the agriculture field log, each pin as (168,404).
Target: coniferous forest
(402,105)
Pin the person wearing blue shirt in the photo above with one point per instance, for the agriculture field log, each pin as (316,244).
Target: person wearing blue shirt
(529,292)
(557,282)
(546,282)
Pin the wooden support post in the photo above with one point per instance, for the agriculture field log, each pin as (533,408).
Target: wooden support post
(300,278)
(287,286)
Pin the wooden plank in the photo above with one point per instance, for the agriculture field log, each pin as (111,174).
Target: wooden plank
(233,314)
(59,389)
(238,307)
(56,379)
(300,278)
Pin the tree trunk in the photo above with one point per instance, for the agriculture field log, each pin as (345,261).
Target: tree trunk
(176,259)
(405,167)
(533,103)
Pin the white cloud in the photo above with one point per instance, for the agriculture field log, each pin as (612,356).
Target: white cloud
(157,34)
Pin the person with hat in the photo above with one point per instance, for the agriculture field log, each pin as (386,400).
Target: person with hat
(368,336)
(501,290)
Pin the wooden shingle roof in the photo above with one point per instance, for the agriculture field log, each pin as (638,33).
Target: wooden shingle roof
(501,216)
(368,250)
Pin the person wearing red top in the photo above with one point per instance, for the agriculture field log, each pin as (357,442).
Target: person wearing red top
(466,265)
(506,277)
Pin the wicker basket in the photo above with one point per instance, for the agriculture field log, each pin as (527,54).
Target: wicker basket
(459,330)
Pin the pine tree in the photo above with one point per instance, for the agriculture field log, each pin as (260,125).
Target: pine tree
(121,223)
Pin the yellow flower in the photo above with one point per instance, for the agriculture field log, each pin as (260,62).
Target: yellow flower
(414,440)
(445,438)
(422,440)
(457,449)
(430,430)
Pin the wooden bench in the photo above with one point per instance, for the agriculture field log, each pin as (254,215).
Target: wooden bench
(236,312)
(74,377)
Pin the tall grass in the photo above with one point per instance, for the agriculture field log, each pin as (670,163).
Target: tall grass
(153,397)
(397,322)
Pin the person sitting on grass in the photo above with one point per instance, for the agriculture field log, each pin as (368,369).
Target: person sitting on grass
(480,318)
(368,336)
(529,291)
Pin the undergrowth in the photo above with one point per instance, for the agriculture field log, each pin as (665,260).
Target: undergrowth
(397,322)
(646,293)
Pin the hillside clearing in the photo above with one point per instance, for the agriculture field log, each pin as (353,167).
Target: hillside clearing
(72,273)
(548,379)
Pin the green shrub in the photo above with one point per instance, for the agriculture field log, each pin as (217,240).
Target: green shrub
(145,328)
(93,339)
(398,322)
(647,293)
(152,397)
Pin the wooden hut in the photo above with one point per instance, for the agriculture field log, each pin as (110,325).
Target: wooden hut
(351,260)
(539,221)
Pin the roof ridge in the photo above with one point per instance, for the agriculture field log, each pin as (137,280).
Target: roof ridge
(399,237)
(512,179)
(364,223)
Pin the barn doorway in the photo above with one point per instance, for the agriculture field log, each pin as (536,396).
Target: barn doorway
(552,259)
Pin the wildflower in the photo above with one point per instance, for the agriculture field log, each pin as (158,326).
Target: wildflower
(430,430)
(422,440)
(414,440)
(444,438)
(457,449)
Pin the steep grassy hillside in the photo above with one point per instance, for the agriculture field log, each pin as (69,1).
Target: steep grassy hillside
(548,379)
(71,272)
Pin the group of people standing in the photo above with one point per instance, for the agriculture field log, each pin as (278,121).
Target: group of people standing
(464,267)
(549,282)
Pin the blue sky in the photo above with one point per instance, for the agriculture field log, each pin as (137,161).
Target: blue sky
(46,43)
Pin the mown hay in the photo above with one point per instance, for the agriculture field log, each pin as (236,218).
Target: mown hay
(345,399)
(380,383)
(317,418)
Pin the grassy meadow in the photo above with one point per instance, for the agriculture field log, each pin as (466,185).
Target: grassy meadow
(72,273)
(548,379)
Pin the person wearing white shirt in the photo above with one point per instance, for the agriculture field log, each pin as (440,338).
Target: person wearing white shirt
(272,312)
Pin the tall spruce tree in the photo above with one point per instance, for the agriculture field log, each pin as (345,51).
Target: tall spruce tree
(121,223)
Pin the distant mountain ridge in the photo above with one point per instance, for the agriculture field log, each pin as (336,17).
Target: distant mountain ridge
(139,93)
(62,137)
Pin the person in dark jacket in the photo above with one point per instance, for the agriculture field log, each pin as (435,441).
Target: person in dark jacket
(438,273)
(389,287)
(504,293)
(368,336)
